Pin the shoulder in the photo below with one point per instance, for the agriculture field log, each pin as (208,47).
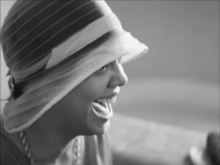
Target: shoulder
(10,154)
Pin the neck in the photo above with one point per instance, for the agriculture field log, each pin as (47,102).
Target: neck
(50,134)
(45,141)
(47,144)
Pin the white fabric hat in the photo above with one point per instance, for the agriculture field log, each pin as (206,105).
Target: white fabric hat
(48,58)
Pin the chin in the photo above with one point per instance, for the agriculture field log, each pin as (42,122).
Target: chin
(97,121)
(99,129)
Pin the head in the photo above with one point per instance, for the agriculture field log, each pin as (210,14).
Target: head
(81,108)
(65,62)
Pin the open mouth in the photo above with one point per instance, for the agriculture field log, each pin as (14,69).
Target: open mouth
(109,100)
(103,106)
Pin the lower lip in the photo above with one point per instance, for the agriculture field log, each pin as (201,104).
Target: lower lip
(103,112)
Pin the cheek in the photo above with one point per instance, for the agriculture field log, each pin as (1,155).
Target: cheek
(95,93)
(94,90)
(76,103)
(88,91)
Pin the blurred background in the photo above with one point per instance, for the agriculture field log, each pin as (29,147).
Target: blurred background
(177,81)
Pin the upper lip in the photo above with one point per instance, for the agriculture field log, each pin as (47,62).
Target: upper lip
(113,93)
(109,96)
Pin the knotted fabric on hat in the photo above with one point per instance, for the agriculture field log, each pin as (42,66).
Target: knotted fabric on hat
(52,46)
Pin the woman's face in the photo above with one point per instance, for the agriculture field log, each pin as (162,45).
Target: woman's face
(88,104)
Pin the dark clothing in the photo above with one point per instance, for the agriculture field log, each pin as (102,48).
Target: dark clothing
(10,153)
(95,151)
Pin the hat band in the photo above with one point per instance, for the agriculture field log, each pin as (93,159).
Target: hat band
(72,45)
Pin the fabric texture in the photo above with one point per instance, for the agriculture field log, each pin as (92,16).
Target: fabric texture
(94,151)
(52,46)
(10,154)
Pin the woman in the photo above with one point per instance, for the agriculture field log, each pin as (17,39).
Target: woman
(65,66)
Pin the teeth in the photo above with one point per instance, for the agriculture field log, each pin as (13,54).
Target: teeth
(107,100)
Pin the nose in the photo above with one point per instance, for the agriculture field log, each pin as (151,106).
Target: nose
(119,77)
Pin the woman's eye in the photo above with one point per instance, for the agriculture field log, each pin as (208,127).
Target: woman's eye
(102,69)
